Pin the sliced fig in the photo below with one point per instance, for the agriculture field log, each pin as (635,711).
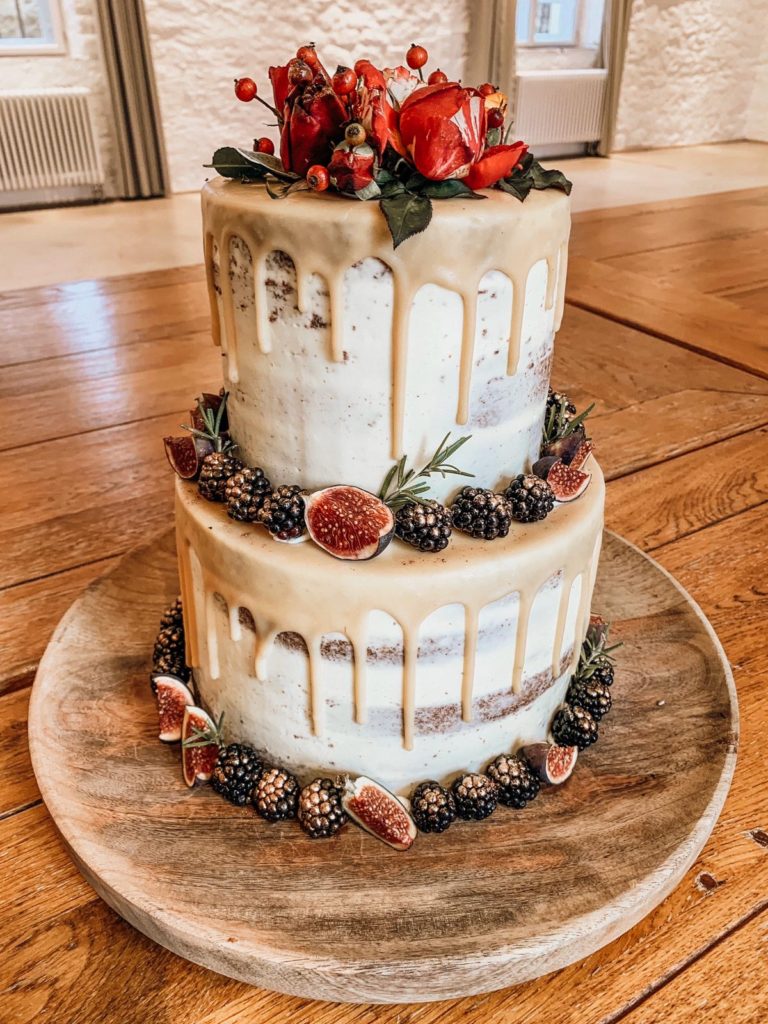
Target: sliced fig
(583,452)
(186,454)
(209,403)
(543,465)
(379,812)
(349,522)
(552,764)
(566,482)
(565,447)
(173,696)
(200,742)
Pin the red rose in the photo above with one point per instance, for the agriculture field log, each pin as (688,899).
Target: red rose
(312,118)
(443,129)
(371,107)
(496,163)
(351,167)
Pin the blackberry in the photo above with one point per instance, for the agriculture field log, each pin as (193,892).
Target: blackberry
(320,811)
(481,513)
(590,694)
(530,498)
(602,671)
(475,795)
(433,808)
(245,493)
(516,782)
(425,525)
(236,773)
(573,726)
(218,467)
(283,512)
(276,795)
(172,616)
(168,654)
(560,404)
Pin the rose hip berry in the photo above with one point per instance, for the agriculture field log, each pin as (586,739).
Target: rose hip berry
(308,54)
(245,89)
(317,178)
(416,57)
(299,72)
(264,145)
(495,118)
(486,89)
(354,134)
(344,81)
(437,78)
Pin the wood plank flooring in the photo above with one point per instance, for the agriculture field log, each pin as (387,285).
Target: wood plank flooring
(667,329)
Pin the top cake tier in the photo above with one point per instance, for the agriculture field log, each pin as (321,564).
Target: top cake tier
(342,353)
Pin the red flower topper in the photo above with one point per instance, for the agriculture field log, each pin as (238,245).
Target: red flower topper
(385,134)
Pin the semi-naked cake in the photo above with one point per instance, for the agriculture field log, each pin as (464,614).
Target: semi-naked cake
(357,347)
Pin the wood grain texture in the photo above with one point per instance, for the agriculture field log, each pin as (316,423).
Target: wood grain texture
(582,865)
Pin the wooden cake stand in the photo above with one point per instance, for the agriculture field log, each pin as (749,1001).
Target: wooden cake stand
(479,908)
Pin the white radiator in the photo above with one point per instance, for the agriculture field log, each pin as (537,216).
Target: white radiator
(559,107)
(48,150)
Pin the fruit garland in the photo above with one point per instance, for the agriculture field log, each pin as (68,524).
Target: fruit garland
(386,135)
(323,806)
(353,524)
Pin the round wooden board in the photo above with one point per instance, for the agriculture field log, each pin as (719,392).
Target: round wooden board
(482,907)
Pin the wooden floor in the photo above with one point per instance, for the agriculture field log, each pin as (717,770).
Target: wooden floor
(667,328)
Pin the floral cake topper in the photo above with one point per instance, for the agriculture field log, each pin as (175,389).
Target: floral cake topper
(388,135)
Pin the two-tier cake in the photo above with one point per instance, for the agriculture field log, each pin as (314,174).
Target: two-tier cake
(388,525)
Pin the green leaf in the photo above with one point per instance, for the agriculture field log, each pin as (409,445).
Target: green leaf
(493,137)
(230,163)
(283,189)
(269,162)
(407,214)
(549,179)
(448,189)
(416,182)
(383,177)
(518,186)
(392,188)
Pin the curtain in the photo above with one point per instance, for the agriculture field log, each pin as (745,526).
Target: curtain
(135,114)
(491,56)
(614,46)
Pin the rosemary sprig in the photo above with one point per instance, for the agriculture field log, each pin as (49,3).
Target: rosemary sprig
(204,737)
(402,484)
(557,427)
(212,423)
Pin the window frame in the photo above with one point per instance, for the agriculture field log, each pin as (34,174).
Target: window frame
(531,43)
(57,46)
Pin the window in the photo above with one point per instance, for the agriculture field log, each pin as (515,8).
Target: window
(30,27)
(547,22)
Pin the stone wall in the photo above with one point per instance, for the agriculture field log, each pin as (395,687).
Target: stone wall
(691,72)
(200,46)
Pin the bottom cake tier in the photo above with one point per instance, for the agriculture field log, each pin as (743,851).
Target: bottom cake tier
(407,667)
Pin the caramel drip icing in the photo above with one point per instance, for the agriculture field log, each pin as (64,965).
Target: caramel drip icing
(460,247)
(246,571)
(471,618)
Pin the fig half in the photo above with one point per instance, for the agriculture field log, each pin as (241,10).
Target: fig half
(566,482)
(552,764)
(379,812)
(565,447)
(199,745)
(186,454)
(348,522)
(173,697)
